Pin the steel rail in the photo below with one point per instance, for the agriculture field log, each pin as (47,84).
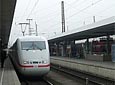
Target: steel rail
(86,77)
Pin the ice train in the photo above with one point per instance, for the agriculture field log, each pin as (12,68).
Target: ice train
(30,55)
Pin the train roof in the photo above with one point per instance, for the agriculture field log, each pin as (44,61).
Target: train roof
(31,38)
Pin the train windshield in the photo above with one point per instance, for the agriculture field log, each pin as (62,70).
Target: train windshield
(33,45)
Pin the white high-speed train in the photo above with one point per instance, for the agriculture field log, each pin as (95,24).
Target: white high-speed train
(30,55)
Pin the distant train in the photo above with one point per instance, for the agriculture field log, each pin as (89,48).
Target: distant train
(30,55)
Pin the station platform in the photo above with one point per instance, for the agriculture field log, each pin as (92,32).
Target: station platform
(8,75)
(104,69)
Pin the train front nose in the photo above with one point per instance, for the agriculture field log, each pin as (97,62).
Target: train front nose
(35,68)
(36,71)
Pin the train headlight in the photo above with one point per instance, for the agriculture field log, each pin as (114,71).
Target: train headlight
(26,62)
(44,61)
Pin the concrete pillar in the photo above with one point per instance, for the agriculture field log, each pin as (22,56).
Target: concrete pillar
(57,49)
(87,45)
(108,45)
(73,49)
(68,49)
(64,48)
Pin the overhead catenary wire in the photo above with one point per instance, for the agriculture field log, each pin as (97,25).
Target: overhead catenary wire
(105,9)
(92,4)
(48,8)
(54,13)
(33,8)
(94,14)
(72,4)
(46,15)
(48,19)
(29,13)
(79,11)
(84,9)
(25,9)
(24,15)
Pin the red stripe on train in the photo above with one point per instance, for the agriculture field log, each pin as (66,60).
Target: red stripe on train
(26,66)
(44,65)
(30,66)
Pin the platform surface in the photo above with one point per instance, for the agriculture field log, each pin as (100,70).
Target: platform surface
(105,69)
(104,64)
(8,75)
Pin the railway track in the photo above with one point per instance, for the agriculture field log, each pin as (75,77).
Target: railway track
(24,80)
(31,80)
(36,82)
(86,78)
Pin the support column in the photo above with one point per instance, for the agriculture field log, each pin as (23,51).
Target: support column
(87,45)
(63,16)
(57,49)
(68,48)
(73,49)
(64,48)
(108,45)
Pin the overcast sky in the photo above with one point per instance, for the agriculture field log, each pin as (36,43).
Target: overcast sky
(47,15)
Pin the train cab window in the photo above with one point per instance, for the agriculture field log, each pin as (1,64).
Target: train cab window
(33,45)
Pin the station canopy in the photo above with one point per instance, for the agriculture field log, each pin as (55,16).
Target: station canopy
(7,8)
(101,28)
